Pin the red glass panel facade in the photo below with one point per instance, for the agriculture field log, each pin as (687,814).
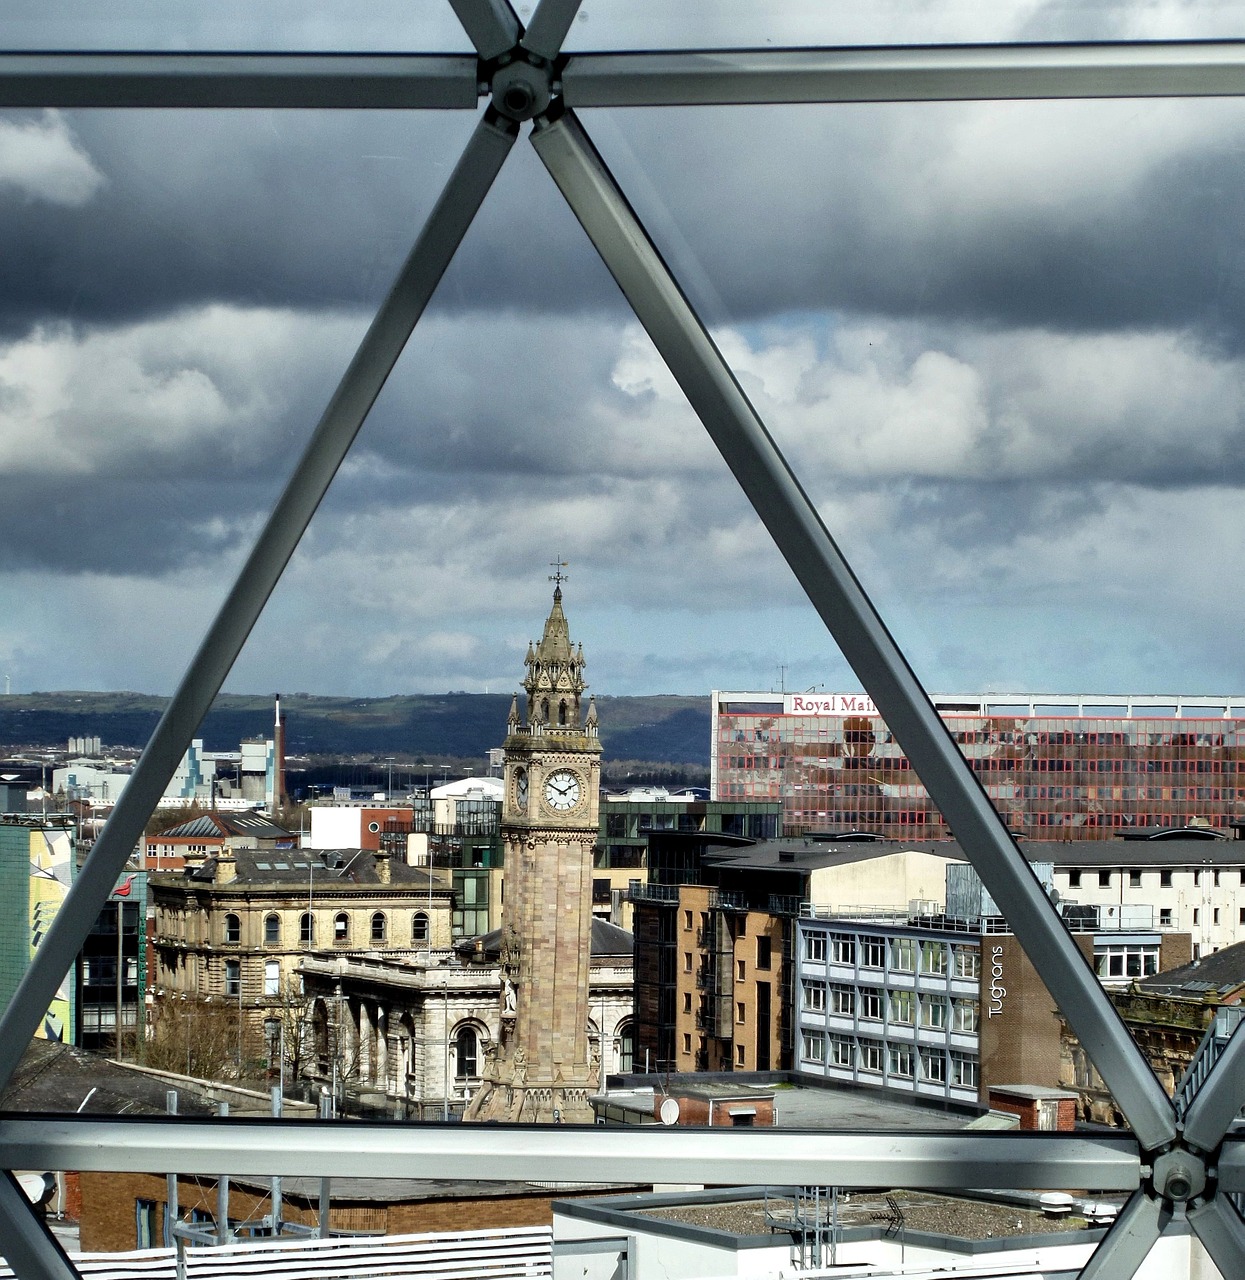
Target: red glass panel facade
(1081,776)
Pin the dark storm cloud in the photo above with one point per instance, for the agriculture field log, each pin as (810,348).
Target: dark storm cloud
(144,526)
(906,210)
(889,210)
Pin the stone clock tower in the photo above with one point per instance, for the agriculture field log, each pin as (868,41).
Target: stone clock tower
(543,1069)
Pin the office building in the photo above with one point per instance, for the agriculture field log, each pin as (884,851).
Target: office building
(1054,766)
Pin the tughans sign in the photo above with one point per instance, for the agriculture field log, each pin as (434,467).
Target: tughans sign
(828,704)
(997,990)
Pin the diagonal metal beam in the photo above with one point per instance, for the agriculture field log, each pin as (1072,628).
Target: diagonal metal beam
(360,385)
(930,73)
(1219,1227)
(26,1244)
(570,1153)
(548,27)
(491,25)
(316,80)
(1220,1099)
(1231,1162)
(1126,1246)
(818,564)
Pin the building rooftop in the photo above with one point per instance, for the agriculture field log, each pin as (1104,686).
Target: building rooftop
(217,825)
(55,1077)
(606,940)
(337,867)
(809,853)
(1218,973)
(814,1106)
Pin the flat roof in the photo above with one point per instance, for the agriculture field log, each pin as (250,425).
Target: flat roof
(812,1104)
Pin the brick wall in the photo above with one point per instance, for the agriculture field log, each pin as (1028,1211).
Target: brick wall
(108,1222)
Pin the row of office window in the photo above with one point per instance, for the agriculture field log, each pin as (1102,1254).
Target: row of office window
(1079,878)
(899,1008)
(899,955)
(378,930)
(862,1055)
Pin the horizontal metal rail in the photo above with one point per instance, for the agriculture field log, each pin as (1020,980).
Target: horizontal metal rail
(927,73)
(437,81)
(384,81)
(567,1153)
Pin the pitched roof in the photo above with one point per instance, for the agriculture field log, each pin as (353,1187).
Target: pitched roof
(217,825)
(1216,974)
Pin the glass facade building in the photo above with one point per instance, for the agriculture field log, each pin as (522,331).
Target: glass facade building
(1052,766)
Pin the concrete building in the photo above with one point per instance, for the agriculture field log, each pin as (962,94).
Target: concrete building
(211,835)
(940,1007)
(862,961)
(716,942)
(1187,880)
(1084,766)
(1181,1018)
(411,1036)
(754,1232)
(237,926)
(36,870)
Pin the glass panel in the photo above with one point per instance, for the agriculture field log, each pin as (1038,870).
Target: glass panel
(742,24)
(943,258)
(335,26)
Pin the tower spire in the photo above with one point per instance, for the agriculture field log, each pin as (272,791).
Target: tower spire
(555,680)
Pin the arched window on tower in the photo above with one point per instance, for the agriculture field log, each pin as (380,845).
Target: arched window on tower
(233,928)
(544,710)
(306,929)
(378,926)
(419,927)
(341,927)
(272,930)
(562,711)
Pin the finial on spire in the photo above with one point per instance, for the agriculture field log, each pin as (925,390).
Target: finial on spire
(557,577)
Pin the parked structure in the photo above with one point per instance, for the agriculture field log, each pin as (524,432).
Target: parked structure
(1085,766)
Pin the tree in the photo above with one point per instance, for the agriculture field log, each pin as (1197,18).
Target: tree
(196,1037)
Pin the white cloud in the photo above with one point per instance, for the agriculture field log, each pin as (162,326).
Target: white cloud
(216,381)
(40,159)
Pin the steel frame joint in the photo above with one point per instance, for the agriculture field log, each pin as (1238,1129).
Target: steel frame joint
(522,84)
(1180,1175)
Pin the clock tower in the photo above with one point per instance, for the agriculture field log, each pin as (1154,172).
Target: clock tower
(543,1069)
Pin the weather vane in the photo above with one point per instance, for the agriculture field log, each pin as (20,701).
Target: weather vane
(557,577)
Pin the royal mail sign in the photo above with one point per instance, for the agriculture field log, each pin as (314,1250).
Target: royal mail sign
(828,704)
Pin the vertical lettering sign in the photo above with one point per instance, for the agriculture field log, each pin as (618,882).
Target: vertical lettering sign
(997,990)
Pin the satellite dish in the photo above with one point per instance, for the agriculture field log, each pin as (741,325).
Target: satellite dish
(669,1112)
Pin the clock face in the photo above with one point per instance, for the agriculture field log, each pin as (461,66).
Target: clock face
(520,790)
(562,790)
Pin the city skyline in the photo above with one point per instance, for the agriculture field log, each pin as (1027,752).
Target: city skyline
(1000,344)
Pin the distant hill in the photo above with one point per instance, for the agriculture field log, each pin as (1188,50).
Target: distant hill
(665,729)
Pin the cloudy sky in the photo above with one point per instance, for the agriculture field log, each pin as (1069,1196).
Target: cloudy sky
(1002,344)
